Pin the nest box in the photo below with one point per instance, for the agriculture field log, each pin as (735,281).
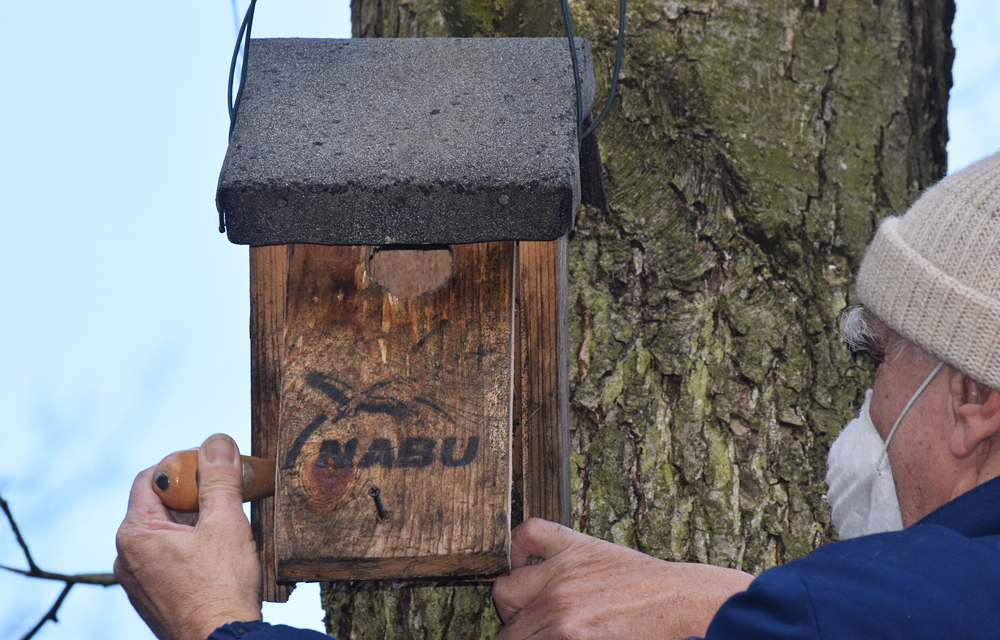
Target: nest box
(407,204)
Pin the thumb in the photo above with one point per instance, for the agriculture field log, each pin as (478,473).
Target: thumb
(220,477)
(533,538)
(540,539)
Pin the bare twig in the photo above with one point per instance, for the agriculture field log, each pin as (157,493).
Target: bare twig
(51,615)
(17,533)
(33,571)
(100,579)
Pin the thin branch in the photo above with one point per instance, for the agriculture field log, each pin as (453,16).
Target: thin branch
(101,579)
(17,533)
(51,615)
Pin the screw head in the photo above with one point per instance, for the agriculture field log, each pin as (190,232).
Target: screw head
(373,492)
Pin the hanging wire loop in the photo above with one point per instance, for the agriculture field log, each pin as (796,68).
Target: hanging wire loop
(243,37)
(581,134)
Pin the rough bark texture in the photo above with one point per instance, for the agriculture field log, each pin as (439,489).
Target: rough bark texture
(753,149)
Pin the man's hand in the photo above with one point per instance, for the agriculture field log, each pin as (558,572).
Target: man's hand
(187,580)
(588,588)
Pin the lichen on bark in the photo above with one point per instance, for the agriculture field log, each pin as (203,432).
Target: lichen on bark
(753,147)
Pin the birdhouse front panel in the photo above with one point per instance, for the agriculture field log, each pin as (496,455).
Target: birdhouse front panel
(395,412)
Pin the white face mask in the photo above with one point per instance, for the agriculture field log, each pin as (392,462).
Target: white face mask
(862,495)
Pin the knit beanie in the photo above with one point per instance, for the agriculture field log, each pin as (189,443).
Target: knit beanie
(933,274)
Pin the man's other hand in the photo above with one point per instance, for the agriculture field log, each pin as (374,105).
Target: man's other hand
(588,588)
(187,580)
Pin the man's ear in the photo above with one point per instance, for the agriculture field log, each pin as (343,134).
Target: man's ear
(977,408)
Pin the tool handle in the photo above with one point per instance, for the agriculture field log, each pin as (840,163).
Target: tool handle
(175,479)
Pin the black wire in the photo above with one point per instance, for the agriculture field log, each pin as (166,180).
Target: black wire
(576,71)
(234,106)
(614,75)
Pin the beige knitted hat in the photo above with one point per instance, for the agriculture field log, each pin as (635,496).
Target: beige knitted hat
(933,275)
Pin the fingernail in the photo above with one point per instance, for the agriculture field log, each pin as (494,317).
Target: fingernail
(221,452)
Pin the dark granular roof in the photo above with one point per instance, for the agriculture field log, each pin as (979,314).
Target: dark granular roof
(379,141)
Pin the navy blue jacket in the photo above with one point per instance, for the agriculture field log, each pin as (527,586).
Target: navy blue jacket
(263,631)
(939,578)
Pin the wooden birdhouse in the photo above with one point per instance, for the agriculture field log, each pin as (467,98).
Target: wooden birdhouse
(407,204)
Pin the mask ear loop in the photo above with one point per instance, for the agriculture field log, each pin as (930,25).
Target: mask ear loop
(913,398)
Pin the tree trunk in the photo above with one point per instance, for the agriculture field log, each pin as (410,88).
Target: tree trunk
(753,149)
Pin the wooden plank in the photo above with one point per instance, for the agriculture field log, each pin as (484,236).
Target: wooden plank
(543,400)
(517,433)
(410,395)
(268,279)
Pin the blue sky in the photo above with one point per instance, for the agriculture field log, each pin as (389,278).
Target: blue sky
(126,313)
(974,108)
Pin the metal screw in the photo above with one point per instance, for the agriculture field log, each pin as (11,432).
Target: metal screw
(374,492)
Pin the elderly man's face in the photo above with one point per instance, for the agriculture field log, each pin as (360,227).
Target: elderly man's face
(918,453)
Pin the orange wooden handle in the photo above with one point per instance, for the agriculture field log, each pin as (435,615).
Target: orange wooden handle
(175,479)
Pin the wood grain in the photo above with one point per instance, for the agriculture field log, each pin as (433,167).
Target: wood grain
(268,283)
(543,361)
(412,396)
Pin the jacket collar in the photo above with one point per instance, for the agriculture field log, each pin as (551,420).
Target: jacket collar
(973,514)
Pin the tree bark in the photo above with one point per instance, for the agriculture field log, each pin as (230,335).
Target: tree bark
(753,148)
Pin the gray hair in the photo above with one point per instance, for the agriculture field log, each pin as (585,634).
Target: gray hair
(857,331)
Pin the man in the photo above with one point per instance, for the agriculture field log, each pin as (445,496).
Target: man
(931,284)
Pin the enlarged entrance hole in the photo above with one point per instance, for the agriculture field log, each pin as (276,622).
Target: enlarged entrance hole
(410,271)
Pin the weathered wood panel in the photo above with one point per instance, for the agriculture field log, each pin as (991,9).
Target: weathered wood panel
(543,384)
(268,278)
(411,396)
